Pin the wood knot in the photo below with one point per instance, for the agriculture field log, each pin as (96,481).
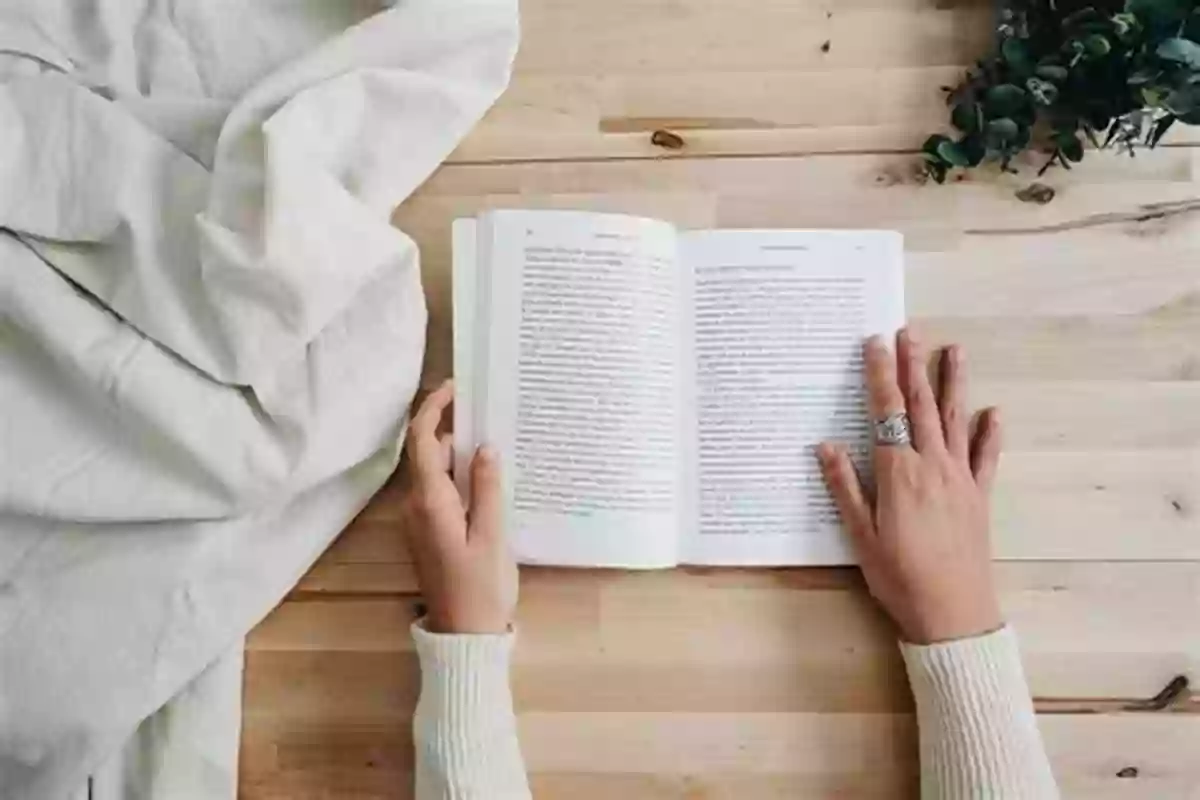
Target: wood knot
(1038,193)
(666,139)
(1128,772)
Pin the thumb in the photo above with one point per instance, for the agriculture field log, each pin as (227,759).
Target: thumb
(486,496)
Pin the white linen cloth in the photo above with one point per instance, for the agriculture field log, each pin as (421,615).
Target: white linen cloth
(209,337)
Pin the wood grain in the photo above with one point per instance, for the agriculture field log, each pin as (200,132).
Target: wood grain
(1081,319)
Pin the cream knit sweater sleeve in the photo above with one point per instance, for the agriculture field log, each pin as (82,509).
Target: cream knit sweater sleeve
(464,730)
(979,735)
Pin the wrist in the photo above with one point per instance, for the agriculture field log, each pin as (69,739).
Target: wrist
(466,622)
(952,627)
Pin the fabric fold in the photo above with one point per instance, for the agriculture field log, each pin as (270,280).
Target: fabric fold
(210,332)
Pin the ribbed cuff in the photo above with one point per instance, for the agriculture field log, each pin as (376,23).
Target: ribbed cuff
(464,728)
(979,735)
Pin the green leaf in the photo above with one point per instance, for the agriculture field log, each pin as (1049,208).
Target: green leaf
(1003,100)
(1004,128)
(1051,72)
(967,117)
(1183,101)
(1180,50)
(1153,96)
(952,154)
(1016,54)
(1160,129)
(1001,132)
(1125,25)
(1159,15)
(1143,75)
(931,144)
(1070,146)
(1097,45)
(974,148)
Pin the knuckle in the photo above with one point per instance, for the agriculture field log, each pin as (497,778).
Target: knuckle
(911,473)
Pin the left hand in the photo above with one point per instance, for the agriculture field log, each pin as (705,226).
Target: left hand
(467,574)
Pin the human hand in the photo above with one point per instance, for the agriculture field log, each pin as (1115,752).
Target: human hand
(467,574)
(923,539)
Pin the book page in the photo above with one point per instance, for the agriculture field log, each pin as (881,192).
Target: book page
(779,320)
(578,383)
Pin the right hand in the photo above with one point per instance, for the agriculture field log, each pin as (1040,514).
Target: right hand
(923,540)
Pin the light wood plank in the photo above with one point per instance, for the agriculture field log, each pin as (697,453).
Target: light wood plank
(693,755)
(594,80)
(805,640)
(1102,504)
(1151,347)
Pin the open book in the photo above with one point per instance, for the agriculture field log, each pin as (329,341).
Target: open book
(656,395)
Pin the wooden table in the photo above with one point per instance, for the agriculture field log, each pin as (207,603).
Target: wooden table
(1082,319)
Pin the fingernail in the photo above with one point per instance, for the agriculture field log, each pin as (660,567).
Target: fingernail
(486,453)
(875,343)
(825,452)
(956,355)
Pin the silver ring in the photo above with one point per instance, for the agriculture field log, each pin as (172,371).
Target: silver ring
(893,430)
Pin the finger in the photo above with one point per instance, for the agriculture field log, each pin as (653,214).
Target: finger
(953,404)
(424,446)
(844,484)
(446,450)
(985,449)
(486,497)
(883,390)
(918,394)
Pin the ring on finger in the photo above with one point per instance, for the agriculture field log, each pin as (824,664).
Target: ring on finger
(893,430)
